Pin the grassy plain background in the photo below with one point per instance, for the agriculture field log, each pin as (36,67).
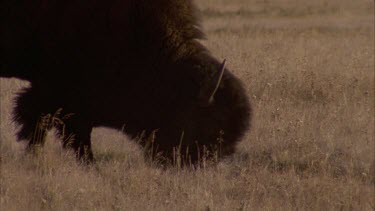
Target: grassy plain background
(308,68)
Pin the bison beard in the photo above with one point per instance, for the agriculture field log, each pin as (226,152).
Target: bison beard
(120,62)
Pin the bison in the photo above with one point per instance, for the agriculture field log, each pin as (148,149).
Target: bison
(135,65)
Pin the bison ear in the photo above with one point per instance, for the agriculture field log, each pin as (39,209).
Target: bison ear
(208,91)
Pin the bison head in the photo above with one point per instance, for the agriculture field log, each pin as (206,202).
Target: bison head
(208,117)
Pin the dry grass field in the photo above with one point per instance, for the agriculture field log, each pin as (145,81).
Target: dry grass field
(308,68)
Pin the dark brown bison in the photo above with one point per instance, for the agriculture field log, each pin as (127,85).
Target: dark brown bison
(131,64)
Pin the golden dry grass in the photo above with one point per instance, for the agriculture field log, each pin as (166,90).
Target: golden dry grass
(308,67)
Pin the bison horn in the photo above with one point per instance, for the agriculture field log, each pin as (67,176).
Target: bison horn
(209,90)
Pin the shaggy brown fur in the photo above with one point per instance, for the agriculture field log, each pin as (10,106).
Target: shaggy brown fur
(115,63)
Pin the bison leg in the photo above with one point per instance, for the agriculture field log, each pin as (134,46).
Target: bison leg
(77,135)
(35,130)
(35,122)
(34,125)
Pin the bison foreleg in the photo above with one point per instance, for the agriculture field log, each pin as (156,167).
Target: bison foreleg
(76,135)
(34,124)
